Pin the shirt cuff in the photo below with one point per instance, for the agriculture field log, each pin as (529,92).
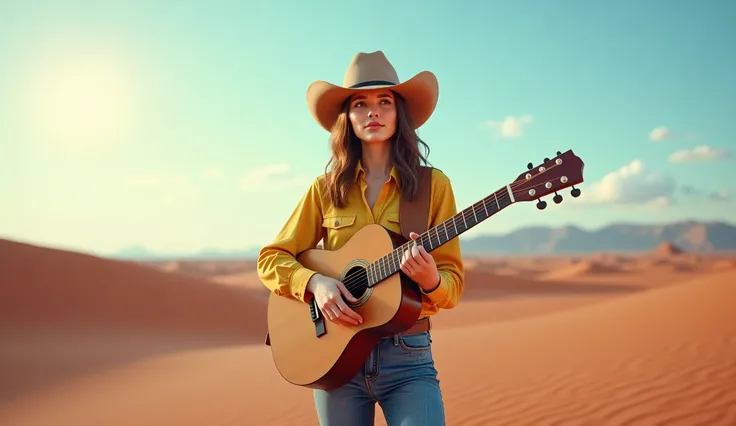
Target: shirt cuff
(439,294)
(299,280)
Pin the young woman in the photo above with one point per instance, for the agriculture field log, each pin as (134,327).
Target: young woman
(375,156)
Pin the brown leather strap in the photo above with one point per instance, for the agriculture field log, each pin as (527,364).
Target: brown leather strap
(421,326)
(414,214)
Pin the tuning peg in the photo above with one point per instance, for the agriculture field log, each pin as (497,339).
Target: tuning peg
(559,153)
(575,192)
(530,166)
(546,159)
(541,204)
(557,198)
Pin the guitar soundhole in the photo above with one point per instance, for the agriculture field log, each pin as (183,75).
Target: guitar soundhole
(356,281)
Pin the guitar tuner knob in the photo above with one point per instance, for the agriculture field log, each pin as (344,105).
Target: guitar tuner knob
(559,153)
(530,166)
(557,198)
(541,204)
(575,192)
(546,159)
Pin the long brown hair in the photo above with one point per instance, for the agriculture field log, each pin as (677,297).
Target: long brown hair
(347,149)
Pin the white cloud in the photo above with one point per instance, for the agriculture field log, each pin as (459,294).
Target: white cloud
(631,184)
(659,134)
(510,126)
(700,153)
(723,195)
(271,177)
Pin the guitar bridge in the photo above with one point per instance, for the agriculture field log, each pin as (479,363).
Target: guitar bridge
(317,318)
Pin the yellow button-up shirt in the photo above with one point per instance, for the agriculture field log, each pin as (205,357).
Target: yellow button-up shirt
(315,218)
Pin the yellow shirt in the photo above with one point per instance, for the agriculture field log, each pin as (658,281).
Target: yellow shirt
(315,218)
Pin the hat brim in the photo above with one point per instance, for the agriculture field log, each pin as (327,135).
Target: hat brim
(421,92)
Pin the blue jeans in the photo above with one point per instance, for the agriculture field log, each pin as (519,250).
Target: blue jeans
(399,374)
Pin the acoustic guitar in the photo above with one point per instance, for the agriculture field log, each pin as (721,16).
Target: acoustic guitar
(311,351)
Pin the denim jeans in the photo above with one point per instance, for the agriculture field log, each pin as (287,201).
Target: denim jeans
(399,374)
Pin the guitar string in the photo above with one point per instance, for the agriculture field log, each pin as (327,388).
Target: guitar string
(361,279)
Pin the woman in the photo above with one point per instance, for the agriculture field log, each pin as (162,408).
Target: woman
(375,157)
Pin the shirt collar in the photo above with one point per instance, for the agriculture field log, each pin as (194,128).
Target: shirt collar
(359,169)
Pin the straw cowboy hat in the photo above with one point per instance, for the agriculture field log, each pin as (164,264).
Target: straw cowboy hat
(372,71)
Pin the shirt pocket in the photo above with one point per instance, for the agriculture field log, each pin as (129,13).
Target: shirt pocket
(392,222)
(338,229)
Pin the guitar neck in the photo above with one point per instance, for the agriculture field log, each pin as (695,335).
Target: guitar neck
(435,237)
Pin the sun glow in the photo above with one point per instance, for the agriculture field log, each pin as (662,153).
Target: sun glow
(83,100)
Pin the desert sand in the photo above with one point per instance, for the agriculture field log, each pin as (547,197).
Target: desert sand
(601,339)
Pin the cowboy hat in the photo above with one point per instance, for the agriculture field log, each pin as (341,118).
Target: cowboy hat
(373,71)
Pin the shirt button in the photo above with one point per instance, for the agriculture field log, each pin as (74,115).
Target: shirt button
(337,223)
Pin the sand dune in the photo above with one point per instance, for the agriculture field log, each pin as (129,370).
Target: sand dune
(204,268)
(724,264)
(482,284)
(64,290)
(583,267)
(64,313)
(667,354)
(592,355)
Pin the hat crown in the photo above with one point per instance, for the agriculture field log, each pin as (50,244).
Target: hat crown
(370,67)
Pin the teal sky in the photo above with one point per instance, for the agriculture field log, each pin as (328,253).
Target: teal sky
(182,126)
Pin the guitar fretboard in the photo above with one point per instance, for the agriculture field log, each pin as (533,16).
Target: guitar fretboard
(435,237)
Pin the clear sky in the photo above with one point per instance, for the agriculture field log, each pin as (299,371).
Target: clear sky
(180,126)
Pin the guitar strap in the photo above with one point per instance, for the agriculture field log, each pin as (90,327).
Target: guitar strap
(413,214)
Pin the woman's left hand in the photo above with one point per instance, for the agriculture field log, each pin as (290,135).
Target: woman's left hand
(419,266)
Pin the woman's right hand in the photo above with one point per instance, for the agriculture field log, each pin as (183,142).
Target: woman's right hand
(328,294)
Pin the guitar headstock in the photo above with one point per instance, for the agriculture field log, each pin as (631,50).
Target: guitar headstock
(563,171)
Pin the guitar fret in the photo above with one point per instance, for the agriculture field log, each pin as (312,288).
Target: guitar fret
(391,263)
(511,193)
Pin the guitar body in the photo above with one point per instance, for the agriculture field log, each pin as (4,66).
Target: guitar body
(333,358)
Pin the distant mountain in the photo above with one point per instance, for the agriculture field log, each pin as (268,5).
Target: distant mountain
(700,237)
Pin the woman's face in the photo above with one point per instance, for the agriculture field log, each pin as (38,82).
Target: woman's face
(373,115)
